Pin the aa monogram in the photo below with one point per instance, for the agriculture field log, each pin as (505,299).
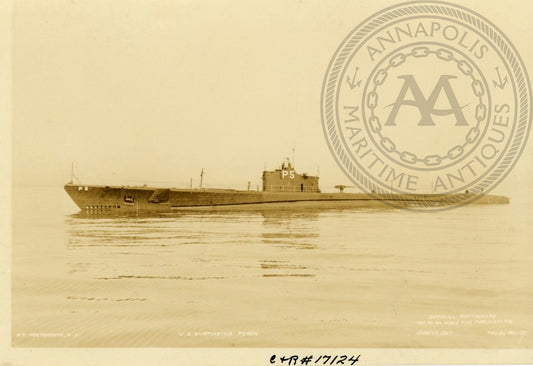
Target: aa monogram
(426,107)
(427,98)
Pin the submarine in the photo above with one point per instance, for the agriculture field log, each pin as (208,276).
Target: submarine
(282,188)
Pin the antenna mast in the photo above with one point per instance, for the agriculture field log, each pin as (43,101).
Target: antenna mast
(293,157)
(71,172)
(72,176)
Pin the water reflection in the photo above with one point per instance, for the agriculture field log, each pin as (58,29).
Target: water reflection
(284,268)
(198,245)
(298,230)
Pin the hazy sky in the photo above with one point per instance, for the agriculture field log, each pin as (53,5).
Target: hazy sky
(153,91)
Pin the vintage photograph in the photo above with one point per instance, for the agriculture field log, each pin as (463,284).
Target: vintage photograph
(305,182)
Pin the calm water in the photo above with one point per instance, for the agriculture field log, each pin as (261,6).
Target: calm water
(338,278)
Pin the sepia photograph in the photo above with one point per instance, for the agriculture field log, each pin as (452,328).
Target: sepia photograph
(294,182)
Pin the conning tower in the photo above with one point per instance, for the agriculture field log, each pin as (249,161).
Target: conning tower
(285,179)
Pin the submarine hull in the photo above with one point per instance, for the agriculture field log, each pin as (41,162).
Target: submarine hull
(93,198)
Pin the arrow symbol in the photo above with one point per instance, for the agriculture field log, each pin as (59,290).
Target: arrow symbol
(501,84)
(351,82)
